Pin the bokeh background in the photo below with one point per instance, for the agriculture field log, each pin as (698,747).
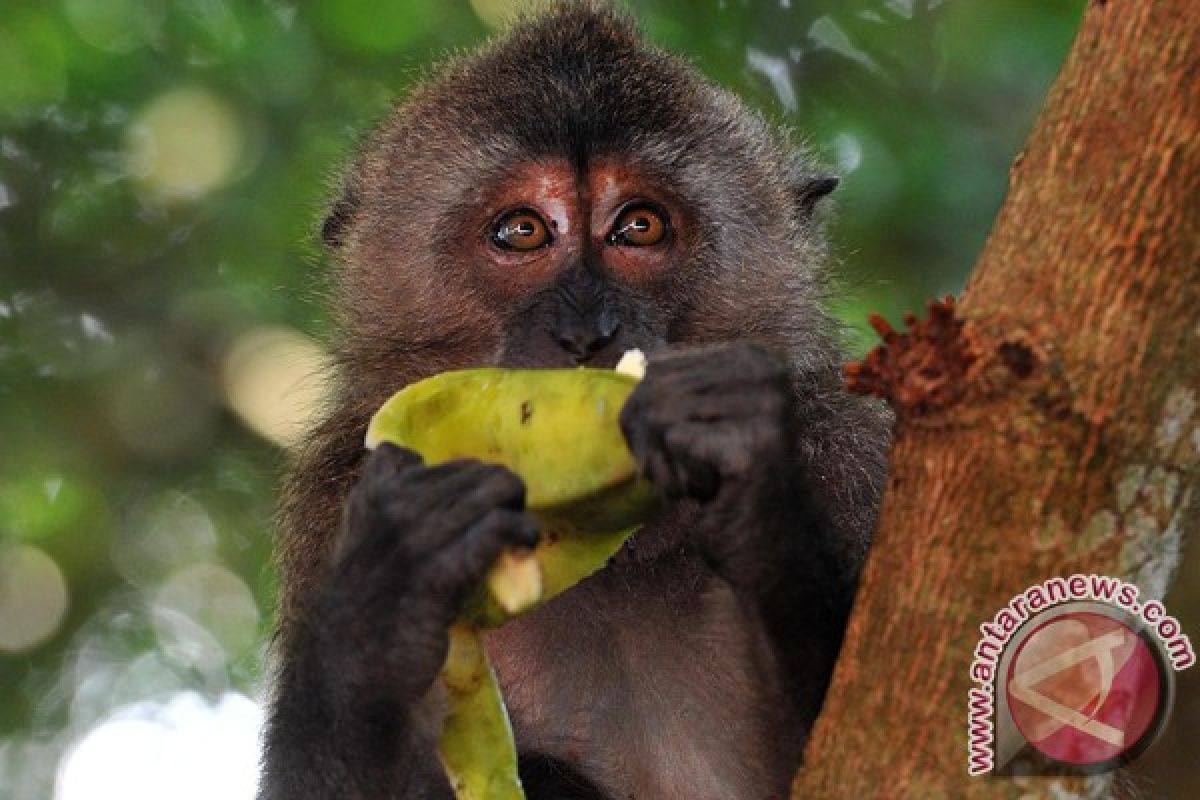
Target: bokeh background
(163,166)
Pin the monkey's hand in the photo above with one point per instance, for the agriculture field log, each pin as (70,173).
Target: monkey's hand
(715,425)
(417,540)
(350,718)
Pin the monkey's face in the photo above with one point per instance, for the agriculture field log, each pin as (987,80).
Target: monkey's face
(562,196)
(572,260)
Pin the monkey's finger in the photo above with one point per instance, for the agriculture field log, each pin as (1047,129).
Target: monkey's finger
(388,459)
(735,450)
(693,475)
(672,466)
(644,441)
(634,424)
(663,467)
(359,529)
(459,569)
(453,500)
(657,464)
(440,486)
(383,466)
(461,474)
(657,468)
(727,404)
(670,403)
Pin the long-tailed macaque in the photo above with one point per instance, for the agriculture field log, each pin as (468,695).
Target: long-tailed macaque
(564,194)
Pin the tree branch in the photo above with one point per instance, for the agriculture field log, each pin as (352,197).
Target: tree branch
(1054,430)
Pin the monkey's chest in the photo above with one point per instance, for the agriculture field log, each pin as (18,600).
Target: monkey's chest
(669,697)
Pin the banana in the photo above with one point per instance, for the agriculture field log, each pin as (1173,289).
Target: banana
(557,430)
(476,744)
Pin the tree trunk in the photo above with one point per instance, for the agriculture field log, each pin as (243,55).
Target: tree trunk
(1053,430)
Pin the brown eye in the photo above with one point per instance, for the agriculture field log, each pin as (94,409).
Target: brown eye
(521,230)
(639,226)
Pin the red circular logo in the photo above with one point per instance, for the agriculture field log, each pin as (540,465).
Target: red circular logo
(1084,688)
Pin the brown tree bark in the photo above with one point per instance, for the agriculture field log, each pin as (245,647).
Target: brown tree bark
(1054,430)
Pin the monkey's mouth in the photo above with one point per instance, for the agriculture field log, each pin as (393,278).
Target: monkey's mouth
(602,360)
(515,353)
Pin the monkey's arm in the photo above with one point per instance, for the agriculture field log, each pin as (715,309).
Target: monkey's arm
(787,471)
(353,715)
(319,746)
(818,526)
(802,581)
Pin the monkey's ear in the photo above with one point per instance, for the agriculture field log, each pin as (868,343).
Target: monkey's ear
(808,188)
(333,229)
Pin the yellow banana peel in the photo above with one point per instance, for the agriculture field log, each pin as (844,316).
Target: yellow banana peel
(557,430)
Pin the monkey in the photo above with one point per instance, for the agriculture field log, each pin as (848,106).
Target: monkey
(565,193)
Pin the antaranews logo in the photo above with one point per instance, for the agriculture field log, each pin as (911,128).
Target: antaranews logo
(1073,675)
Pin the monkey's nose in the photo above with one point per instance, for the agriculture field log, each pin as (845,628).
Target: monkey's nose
(583,339)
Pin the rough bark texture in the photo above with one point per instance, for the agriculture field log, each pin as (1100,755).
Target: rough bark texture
(1056,431)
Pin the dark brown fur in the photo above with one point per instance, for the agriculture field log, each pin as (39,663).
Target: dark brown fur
(617,677)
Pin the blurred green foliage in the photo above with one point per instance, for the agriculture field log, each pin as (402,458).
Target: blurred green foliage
(163,166)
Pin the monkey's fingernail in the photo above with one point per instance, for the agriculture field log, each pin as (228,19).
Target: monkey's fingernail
(529,534)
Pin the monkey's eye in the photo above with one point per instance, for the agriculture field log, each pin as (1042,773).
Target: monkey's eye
(639,226)
(521,230)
